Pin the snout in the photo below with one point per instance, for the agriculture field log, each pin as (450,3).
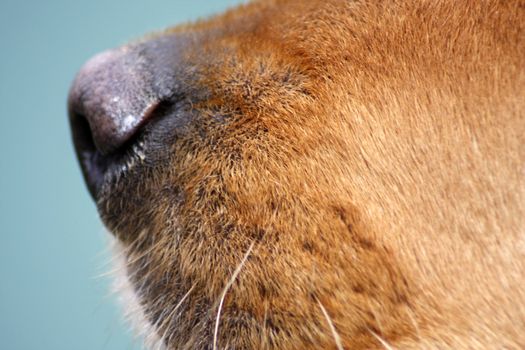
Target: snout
(112,99)
(114,95)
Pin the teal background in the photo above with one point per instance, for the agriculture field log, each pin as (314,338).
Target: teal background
(52,244)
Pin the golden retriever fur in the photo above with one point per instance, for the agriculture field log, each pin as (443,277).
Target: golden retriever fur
(355,179)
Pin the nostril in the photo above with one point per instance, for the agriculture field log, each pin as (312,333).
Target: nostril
(96,162)
(81,131)
(93,163)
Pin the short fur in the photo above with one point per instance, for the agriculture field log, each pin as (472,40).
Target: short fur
(365,162)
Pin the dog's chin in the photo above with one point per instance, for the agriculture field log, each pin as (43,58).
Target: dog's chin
(129,300)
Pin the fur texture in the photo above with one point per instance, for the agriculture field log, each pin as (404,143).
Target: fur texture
(353,177)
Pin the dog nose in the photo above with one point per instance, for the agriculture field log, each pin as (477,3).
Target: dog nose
(112,96)
(116,94)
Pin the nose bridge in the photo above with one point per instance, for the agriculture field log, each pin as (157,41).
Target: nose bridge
(117,90)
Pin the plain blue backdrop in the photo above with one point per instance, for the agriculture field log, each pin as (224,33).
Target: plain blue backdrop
(52,244)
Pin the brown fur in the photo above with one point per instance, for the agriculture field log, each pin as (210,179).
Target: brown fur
(371,154)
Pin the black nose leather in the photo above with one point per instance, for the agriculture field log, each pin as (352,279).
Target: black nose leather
(115,93)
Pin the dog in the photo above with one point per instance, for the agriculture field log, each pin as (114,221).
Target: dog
(316,175)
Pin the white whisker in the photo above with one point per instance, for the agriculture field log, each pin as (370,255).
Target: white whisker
(381,340)
(175,309)
(223,295)
(336,336)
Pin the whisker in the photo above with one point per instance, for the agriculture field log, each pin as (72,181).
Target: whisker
(175,309)
(336,336)
(223,295)
(381,340)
